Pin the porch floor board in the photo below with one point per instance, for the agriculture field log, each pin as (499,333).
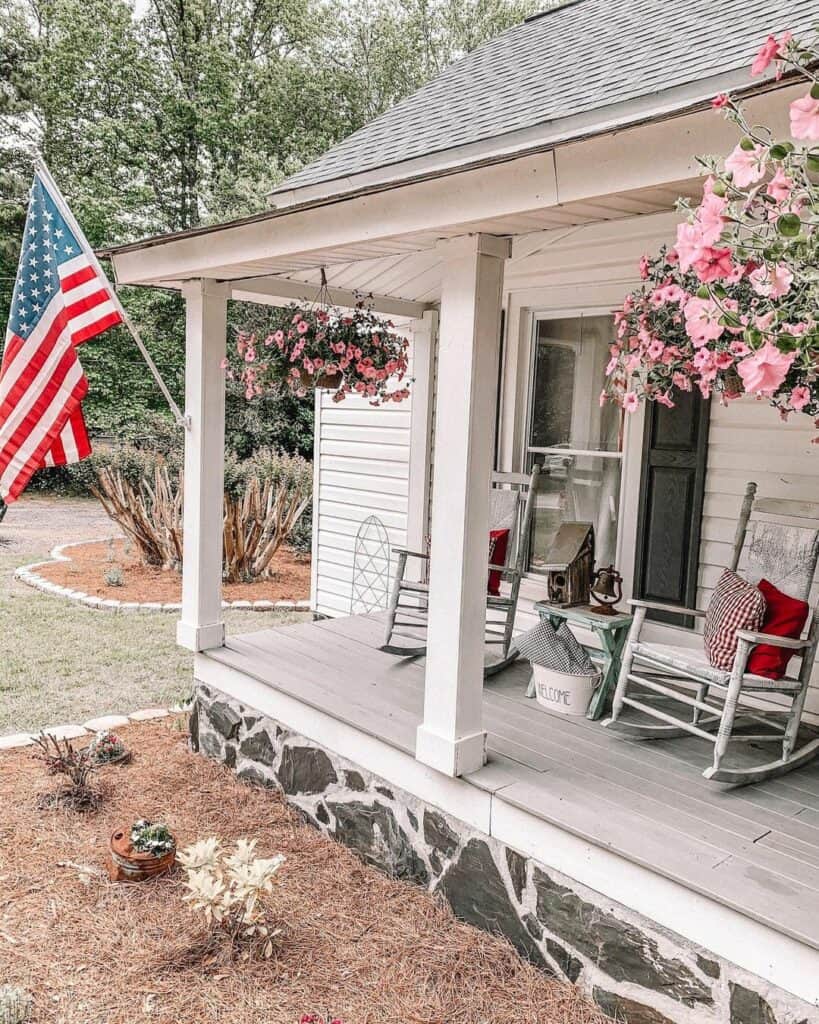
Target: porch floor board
(755,849)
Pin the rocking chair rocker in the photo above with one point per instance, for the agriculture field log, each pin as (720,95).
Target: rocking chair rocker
(777,540)
(512,498)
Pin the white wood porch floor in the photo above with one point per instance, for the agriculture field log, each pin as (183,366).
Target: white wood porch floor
(755,849)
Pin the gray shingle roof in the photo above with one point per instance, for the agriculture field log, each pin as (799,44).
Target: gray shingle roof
(572,60)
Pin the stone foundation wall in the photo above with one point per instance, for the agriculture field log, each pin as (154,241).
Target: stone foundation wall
(634,970)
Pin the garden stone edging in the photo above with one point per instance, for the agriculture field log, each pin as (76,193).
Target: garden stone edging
(634,969)
(25,574)
(75,732)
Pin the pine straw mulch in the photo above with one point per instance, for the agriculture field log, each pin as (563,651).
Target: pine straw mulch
(88,564)
(367,948)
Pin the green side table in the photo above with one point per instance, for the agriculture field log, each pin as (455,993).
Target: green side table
(610,630)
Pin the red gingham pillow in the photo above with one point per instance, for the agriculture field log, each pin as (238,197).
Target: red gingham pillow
(734,605)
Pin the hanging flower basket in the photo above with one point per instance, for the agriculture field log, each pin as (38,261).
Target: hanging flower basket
(733,308)
(328,381)
(317,345)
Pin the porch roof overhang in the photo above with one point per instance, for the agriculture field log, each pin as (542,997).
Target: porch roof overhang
(384,239)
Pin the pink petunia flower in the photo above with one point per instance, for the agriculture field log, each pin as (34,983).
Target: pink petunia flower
(746,165)
(805,118)
(690,244)
(302,327)
(224,363)
(799,398)
(764,371)
(702,318)
(710,215)
(713,264)
(723,360)
(630,401)
(643,267)
(780,186)
(720,100)
(681,381)
(768,52)
(772,282)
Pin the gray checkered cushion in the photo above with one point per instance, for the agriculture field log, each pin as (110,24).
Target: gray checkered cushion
(555,649)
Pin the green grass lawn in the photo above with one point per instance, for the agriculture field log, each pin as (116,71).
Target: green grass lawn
(61,662)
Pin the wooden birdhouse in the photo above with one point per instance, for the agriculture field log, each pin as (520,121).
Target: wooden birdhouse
(570,565)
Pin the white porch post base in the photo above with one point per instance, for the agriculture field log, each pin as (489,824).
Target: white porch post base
(200,638)
(453,757)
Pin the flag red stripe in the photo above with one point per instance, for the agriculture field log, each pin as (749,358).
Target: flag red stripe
(97,327)
(27,426)
(77,278)
(35,364)
(57,452)
(35,460)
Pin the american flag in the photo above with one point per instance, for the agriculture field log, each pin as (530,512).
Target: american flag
(61,299)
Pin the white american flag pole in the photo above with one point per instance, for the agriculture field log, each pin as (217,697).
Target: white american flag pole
(62,206)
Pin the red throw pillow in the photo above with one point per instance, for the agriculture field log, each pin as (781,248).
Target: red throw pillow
(734,605)
(784,616)
(498,543)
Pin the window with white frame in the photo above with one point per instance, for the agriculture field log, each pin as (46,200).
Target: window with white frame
(576,441)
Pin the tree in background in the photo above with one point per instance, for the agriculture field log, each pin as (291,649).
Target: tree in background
(189,112)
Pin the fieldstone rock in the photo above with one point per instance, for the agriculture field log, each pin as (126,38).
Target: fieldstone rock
(249,773)
(224,719)
(229,756)
(17,739)
(355,781)
(64,732)
(385,792)
(412,819)
(618,948)
(148,714)
(533,926)
(193,727)
(568,964)
(439,835)
(250,721)
(474,889)
(708,967)
(372,831)
(259,747)
(305,770)
(628,1010)
(322,815)
(749,1007)
(517,871)
(105,722)
(210,744)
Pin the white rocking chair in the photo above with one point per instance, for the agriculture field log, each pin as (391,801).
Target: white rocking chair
(777,540)
(511,506)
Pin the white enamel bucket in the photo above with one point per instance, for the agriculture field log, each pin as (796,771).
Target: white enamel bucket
(564,693)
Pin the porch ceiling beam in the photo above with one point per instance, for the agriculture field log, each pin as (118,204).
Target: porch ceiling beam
(645,156)
(275,291)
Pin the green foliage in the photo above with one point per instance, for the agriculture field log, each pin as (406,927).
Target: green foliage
(165,115)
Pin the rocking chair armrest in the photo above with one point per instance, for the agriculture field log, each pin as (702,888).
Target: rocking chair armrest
(657,606)
(411,554)
(770,638)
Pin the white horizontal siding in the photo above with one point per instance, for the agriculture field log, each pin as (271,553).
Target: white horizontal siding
(362,470)
(748,441)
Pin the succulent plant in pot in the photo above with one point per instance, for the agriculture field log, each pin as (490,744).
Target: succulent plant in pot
(144,850)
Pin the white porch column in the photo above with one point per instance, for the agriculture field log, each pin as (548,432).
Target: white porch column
(201,623)
(424,333)
(451,737)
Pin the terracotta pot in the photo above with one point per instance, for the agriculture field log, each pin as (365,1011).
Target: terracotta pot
(331,381)
(125,864)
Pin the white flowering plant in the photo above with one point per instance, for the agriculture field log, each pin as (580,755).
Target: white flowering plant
(232,889)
